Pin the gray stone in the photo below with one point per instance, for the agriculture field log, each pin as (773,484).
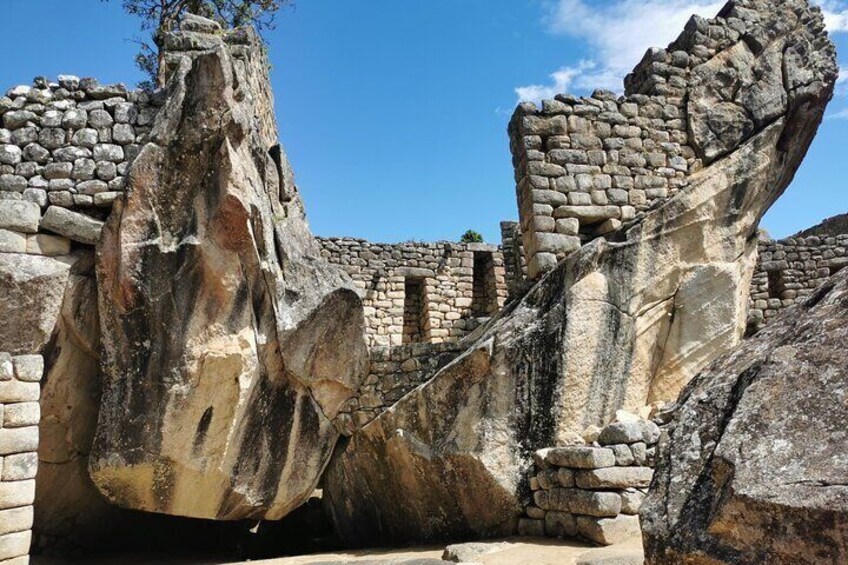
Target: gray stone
(100,119)
(614,478)
(53,171)
(108,152)
(10,154)
(75,119)
(12,183)
(85,137)
(469,552)
(581,457)
(91,187)
(17,118)
(12,242)
(29,368)
(71,154)
(643,431)
(631,501)
(19,215)
(73,225)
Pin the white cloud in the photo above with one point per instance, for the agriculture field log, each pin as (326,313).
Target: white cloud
(835,15)
(840,115)
(843,75)
(620,31)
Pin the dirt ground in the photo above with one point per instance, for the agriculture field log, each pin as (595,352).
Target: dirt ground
(514,551)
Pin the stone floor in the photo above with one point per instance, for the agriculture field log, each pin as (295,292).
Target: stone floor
(514,551)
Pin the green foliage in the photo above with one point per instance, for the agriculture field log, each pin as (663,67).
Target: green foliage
(471,236)
(160,16)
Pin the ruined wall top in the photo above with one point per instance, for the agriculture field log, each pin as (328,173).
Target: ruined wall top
(584,167)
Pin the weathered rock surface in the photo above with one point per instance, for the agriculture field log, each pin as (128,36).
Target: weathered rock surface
(618,324)
(31,291)
(754,470)
(68,507)
(229,345)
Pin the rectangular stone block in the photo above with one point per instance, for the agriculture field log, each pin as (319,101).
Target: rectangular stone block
(588,214)
(12,242)
(15,520)
(18,440)
(20,467)
(72,225)
(21,415)
(614,478)
(15,545)
(19,215)
(590,503)
(48,245)
(607,531)
(29,368)
(16,391)
(631,501)
(16,493)
(580,457)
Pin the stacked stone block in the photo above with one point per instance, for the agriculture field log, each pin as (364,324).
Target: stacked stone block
(394,371)
(789,270)
(593,491)
(583,166)
(64,151)
(19,418)
(444,310)
(515,264)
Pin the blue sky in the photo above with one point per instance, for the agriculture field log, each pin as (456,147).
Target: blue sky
(394,112)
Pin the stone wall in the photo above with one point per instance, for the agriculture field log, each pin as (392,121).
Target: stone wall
(593,491)
(422,292)
(19,417)
(585,165)
(394,371)
(790,269)
(64,150)
(515,264)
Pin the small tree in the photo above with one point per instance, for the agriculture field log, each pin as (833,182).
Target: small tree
(471,236)
(160,16)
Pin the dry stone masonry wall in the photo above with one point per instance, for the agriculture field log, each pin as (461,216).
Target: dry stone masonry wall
(593,491)
(585,165)
(64,151)
(19,418)
(421,292)
(789,270)
(394,371)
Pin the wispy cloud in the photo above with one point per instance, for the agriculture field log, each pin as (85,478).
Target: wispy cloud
(619,32)
(835,15)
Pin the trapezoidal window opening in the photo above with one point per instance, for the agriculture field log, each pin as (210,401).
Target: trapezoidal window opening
(776,284)
(484,300)
(415,321)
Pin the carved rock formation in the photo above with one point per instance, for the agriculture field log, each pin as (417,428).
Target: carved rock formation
(229,345)
(619,323)
(67,504)
(753,470)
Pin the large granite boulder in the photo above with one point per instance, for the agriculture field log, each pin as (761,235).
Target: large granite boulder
(754,467)
(229,344)
(618,324)
(68,507)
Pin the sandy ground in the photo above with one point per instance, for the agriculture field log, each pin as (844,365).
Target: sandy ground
(521,551)
(517,551)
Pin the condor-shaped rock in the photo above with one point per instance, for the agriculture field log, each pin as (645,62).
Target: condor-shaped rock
(229,345)
(621,322)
